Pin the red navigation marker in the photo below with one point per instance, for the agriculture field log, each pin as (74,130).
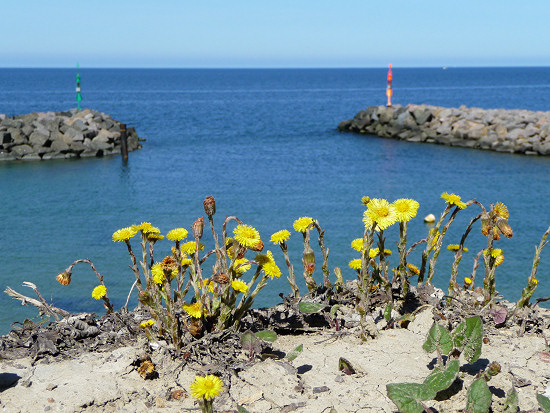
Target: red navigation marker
(389,91)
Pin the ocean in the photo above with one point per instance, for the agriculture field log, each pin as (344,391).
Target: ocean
(264,143)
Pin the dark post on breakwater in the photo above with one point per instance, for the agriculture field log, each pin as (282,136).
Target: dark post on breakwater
(123,142)
(502,130)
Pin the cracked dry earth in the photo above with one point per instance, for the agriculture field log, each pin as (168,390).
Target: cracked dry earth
(107,380)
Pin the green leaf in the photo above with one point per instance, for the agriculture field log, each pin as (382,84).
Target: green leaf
(468,337)
(241,409)
(511,403)
(345,366)
(438,338)
(387,312)
(295,353)
(408,396)
(267,335)
(333,310)
(247,339)
(479,397)
(442,379)
(310,308)
(544,402)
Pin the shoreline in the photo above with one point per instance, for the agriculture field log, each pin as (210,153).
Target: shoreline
(501,130)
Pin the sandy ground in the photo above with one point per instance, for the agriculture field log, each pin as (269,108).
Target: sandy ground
(109,381)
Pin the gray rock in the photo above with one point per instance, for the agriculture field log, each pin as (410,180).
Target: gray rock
(31,157)
(21,150)
(77,146)
(39,138)
(74,135)
(60,146)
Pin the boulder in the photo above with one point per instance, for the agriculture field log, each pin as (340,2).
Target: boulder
(21,150)
(39,137)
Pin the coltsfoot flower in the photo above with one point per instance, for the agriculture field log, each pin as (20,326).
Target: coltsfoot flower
(467,281)
(280,236)
(177,234)
(405,209)
(355,264)
(206,387)
(381,212)
(413,269)
(501,210)
(64,278)
(241,265)
(302,224)
(453,199)
(194,310)
(146,324)
(357,244)
(99,292)
(190,247)
(270,268)
(239,286)
(246,235)
(124,234)
(158,273)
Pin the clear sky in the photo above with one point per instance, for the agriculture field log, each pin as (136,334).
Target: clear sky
(274,33)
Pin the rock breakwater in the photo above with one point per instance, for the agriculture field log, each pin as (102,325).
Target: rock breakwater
(62,135)
(514,131)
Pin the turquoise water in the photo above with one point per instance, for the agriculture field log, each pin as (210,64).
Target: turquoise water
(264,144)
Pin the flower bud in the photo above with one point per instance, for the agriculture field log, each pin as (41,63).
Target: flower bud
(220,278)
(504,227)
(64,278)
(493,369)
(209,206)
(485,225)
(198,227)
(308,259)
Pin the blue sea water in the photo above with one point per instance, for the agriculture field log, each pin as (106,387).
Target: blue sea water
(264,143)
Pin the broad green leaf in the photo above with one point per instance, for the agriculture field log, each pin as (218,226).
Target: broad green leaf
(247,339)
(544,402)
(442,379)
(511,403)
(407,396)
(387,312)
(479,397)
(310,308)
(267,335)
(468,338)
(295,353)
(438,338)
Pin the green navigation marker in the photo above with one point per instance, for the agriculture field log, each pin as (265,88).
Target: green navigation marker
(78,95)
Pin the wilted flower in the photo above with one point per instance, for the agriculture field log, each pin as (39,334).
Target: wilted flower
(504,227)
(64,278)
(413,269)
(500,210)
(198,227)
(209,206)
(99,292)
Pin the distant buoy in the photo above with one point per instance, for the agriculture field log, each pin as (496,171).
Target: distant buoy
(430,219)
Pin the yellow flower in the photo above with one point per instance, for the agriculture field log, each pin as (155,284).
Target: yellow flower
(147,323)
(501,210)
(158,273)
(453,247)
(141,227)
(239,286)
(99,292)
(185,260)
(177,234)
(280,236)
(495,252)
(365,200)
(373,252)
(357,244)
(209,285)
(302,224)
(246,235)
(206,387)
(413,269)
(381,212)
(194,310)
(271,270)
(533,282)
(355,264)
(154,237)
(405,209)
(499,260)
(387,252)
(123,234)
(190,247)
(241,265)
(453,199)
(467,281)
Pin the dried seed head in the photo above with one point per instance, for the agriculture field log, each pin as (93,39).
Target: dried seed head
(258,247)
(504,227)
(64,278)
(209,206)
(198,227)
(147,370)
(220,278)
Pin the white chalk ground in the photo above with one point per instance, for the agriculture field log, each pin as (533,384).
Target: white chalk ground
(108,382)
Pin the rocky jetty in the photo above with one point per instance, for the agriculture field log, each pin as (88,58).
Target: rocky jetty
(62,135)
(514,131)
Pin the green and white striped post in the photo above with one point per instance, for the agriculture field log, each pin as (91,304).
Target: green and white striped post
(78,95)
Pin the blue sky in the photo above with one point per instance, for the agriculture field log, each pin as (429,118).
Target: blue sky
(277,33)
